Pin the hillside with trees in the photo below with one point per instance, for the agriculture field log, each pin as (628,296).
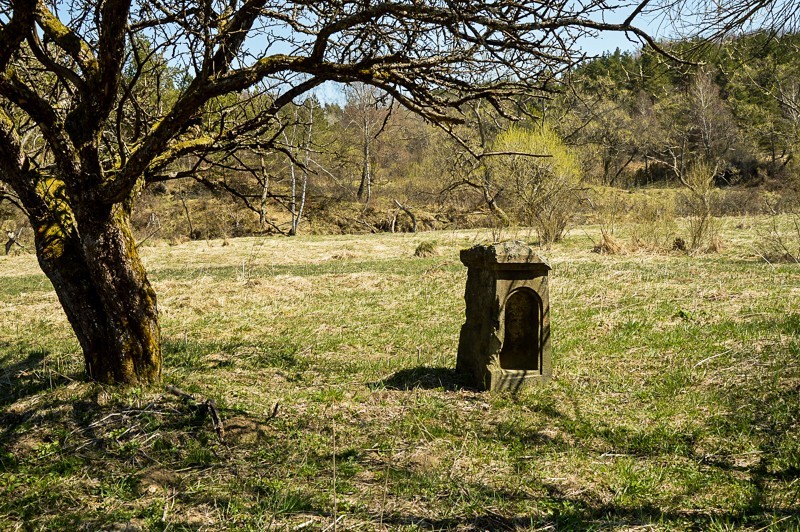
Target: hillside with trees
(632,121)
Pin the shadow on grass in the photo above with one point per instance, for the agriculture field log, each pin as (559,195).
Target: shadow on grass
(426,378)
(562,508)
(570,514)
(23,378)
(273,352)
(51,442)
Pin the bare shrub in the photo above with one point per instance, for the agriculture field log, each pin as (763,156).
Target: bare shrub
(608,245)
(715,245)
(609,208)
(738,202)
(654,227)
(781,239)
(699,181)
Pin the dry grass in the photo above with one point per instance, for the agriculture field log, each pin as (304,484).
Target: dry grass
(608,245)
(674,403)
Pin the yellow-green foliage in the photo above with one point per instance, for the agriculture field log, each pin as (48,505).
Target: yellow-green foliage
(557,160)
(541,175)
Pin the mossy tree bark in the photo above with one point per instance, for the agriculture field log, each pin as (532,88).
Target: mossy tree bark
(102,286)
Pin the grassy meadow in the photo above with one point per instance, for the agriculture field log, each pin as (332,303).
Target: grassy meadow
(675,402)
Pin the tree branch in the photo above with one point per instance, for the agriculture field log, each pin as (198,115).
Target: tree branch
(45,117)
(67,40)
(16,30)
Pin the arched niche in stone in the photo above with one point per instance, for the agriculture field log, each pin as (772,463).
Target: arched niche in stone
(522,317)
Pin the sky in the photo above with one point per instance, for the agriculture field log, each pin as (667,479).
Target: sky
(605,42)
(608,42)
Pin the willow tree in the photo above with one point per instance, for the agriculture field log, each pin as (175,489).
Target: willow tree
(87,115)
(544,191)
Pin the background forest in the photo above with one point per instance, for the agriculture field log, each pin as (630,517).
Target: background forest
(628,135)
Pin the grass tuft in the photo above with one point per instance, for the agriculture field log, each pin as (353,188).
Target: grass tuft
(426,248)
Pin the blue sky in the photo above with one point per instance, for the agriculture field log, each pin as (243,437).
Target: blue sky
(605,42)
(610,41)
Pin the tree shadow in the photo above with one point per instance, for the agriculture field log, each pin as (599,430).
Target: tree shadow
(33,359)
(573,514)
(19,379)
(426,378)
(24,379)
(758,416)
(561,509)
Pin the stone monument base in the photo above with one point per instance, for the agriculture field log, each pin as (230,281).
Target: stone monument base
(513,380)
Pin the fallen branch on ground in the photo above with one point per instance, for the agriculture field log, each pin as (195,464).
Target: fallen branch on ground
(203,407)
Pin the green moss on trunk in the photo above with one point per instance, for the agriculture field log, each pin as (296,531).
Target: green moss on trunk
(103,288)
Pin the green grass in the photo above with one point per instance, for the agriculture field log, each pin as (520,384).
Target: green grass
(675,403)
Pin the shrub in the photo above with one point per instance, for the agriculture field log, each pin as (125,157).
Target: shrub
(699,181)
(654,224)
(541,179)
(610,208)
(781,239)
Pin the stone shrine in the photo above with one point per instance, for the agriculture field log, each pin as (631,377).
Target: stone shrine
(505,341)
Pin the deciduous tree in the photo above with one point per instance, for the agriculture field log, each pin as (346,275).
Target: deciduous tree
(543,189)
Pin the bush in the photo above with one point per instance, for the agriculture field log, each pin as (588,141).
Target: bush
(654,226)
(610,206)
(699,181)
(743,202)
(541,178)
(781,239)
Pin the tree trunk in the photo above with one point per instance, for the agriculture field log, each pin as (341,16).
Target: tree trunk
(410,214)
(304,188)
(293,204)
(103,288)
(262,213)
(365,188)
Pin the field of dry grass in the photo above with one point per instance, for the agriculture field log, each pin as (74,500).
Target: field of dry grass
(675,403)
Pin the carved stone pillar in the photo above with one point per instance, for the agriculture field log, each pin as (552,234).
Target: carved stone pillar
(505,341)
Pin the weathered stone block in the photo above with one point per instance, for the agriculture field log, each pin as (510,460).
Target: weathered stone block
(505,340)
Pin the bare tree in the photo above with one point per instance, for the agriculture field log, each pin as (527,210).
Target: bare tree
(367,112)
(301,143)
(466,155)
(716,19)
(87,116)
